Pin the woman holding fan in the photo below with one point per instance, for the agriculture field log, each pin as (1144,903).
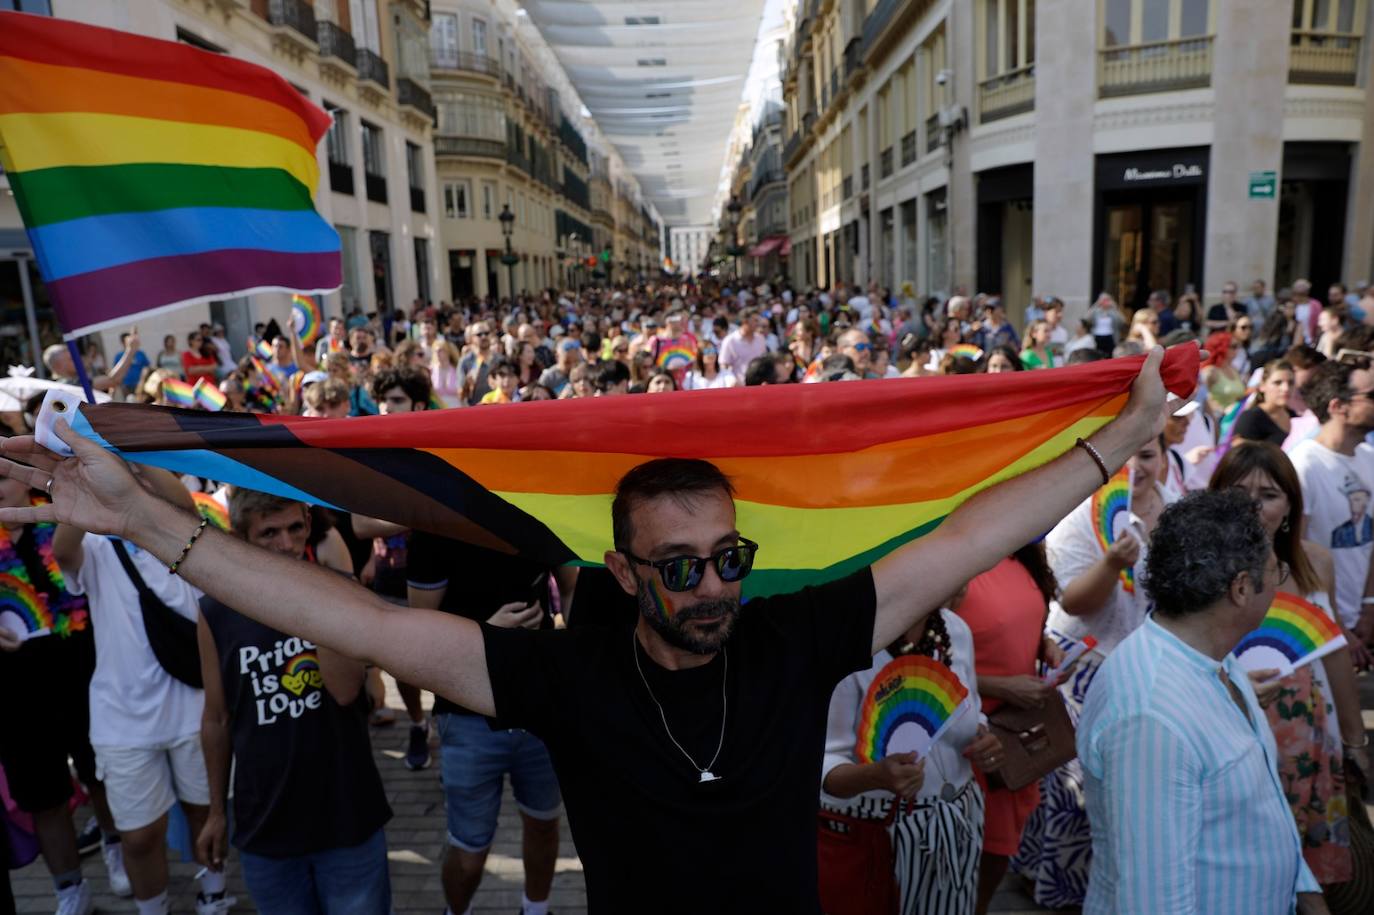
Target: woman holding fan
(932,803)
(1315,711)
(1098,553)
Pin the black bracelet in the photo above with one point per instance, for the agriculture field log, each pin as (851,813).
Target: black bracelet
(1097,459)
(200,529)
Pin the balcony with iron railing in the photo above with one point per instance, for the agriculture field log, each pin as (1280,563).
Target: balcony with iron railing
(789,148)
(453,59)
(885,163)
(908,148)
(763,179)
(478,147)
(417,200)
(1007,94)
(412,94)
(1155,66)
(863,177)
(372,69)
(341,178)
(335,42)
(934,135)
(376,187)
(853,56)
(1323,58)
(847,187)
(296,15)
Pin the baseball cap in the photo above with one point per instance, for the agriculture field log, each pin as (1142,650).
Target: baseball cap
(313,377)
(1177,406)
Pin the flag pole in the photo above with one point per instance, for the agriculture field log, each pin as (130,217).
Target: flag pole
(82,375)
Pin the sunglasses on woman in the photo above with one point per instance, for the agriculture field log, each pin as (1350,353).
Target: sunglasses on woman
(683,573)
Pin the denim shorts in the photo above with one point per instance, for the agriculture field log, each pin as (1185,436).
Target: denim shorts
(473,760)
(341,881)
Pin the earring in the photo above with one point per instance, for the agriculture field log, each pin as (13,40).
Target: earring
(1284,527)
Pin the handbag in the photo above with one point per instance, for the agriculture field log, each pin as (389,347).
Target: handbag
(1035,741)
(171,635)
(855,864)
(1356,895)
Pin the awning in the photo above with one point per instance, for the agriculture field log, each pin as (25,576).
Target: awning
(786,248)
(767,246)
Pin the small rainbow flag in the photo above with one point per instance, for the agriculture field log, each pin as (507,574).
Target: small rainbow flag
(211,509)
(157,171)
(1294,632)
(209,396)
(269,381)
(306,319)
(1111,515)
(907,707)
(263,350)
(967,350)
(178,393)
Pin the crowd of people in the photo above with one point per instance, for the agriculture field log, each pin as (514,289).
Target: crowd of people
(1195,787)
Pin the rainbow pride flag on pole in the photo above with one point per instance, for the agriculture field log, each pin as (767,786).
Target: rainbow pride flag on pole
(828,477)
(150,173)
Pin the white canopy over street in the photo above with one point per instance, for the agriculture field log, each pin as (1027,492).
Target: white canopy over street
(663,82)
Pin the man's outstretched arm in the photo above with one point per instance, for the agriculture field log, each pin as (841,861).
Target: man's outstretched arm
(997,522)
(95,491)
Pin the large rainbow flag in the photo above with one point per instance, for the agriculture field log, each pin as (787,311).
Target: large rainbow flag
(150,173)
(829,477)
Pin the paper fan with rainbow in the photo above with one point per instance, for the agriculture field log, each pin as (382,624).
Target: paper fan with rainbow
(211,509)
(306,319)
(1111,517)
(677,358)
(22,609)
(1294,632)
(967,350)
(907,707)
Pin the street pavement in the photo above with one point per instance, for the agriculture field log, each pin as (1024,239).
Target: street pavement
(415,837)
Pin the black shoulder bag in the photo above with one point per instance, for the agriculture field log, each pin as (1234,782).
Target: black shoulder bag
(171,635)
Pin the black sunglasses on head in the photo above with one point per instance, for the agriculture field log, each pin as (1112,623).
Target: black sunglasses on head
(683,573)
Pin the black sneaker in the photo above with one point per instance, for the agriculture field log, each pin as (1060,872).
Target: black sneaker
(88,840)
(417,755)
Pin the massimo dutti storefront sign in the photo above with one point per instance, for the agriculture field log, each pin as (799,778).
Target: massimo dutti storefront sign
(1152,168)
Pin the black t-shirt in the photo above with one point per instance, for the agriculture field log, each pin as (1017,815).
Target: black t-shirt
(476,583)
(598,600)
(646,828)
(1257,426)
(304,778)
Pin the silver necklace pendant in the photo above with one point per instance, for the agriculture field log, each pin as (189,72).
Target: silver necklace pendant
(947,792)
(708,776)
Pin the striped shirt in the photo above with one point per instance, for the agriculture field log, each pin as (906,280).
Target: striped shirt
(1183,795)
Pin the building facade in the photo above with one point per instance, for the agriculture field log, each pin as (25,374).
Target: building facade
(1078,146)
(364,61)
(687,248)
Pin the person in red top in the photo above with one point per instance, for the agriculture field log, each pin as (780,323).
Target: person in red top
(1005,608)
(200,359)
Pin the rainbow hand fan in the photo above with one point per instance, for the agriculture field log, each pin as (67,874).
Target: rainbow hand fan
(23,610)
(211,509)
(1294,633)
(907,708)
(1111,516)
(967,350)
(306,319)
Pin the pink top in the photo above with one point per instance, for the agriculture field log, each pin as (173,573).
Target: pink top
(1006,613)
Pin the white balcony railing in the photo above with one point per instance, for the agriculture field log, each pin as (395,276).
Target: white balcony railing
(1324,58)
(1156,66)
(1006,94)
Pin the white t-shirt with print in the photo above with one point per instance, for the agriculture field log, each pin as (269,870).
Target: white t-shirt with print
(1338,516)
(134,701)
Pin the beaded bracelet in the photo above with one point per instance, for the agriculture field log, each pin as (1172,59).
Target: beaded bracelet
(200,529)
(1097,459)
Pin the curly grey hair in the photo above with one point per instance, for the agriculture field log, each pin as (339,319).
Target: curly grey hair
(1202,542)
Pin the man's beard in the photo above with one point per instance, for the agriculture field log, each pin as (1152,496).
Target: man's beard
(674,631)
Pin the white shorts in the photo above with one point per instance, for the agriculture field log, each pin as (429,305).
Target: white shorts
(142,783)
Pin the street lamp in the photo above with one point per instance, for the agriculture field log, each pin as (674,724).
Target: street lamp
(509,258)
(733,249)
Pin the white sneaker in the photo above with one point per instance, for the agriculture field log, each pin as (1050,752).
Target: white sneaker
(114,867)
(75,900)
(220,905)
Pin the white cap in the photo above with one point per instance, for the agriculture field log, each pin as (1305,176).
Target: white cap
(1177,406)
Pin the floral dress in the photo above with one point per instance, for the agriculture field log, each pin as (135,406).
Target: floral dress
(1311,767)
